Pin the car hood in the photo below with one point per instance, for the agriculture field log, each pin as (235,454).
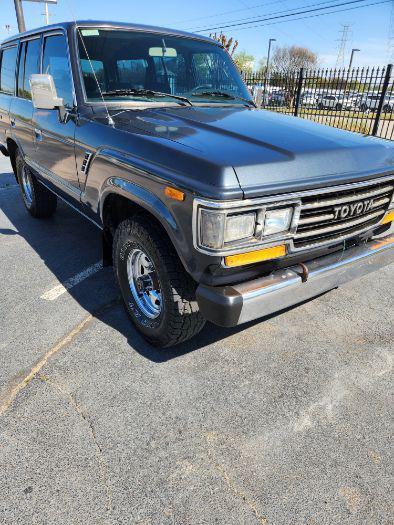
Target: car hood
(269,152)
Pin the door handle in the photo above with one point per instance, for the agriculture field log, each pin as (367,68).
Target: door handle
(13,123)
(38,135)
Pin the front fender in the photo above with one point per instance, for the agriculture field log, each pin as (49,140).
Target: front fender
(144,198)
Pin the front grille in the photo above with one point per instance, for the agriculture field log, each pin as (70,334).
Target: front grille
(341,214)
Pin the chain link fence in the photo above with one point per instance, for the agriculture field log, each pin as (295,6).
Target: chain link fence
(359,99)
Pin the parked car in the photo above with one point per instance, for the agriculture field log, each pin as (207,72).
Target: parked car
(371,103)
(309,99)
(337,102)
(278,98)
(209,208)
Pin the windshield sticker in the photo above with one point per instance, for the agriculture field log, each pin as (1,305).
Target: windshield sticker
(90,32)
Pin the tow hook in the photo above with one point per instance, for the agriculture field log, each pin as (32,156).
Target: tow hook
(305,272)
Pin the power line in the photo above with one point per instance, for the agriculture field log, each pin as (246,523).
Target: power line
(312,16)
(280,16)
(223,13)
(286,10)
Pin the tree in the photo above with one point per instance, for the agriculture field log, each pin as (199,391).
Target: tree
(228,43)
(290,59)
(286,63)
(244,61)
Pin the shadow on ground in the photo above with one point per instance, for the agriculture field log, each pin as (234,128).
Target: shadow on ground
(67,243)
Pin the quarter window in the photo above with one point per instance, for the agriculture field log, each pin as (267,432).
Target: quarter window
(29,64)
(7,70)
(55,62)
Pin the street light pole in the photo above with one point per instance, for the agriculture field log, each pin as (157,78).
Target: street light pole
(268,63)
(352,55)
(19,16)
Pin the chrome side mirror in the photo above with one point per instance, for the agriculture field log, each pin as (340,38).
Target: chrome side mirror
(44,94)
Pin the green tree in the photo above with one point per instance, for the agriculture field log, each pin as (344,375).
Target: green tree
(244,61)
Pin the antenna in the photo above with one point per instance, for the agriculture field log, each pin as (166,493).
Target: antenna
(342,46)
(110,119)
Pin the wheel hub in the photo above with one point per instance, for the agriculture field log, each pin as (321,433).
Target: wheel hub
(144,284)
(27,187)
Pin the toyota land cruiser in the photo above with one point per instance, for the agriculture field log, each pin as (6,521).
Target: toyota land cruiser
(210,209)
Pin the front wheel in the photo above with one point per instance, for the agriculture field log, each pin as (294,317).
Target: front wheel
(159,295)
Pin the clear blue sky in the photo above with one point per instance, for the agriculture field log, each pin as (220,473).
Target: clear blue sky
(370,26)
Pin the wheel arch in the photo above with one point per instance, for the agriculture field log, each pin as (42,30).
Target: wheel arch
(122,200)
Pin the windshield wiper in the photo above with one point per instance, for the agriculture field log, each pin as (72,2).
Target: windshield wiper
(143,93)
(223,94)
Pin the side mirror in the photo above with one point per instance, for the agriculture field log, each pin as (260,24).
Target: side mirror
(44,94)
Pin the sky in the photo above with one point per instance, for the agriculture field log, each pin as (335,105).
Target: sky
(370,27)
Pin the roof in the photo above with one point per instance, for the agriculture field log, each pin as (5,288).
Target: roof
(109,25)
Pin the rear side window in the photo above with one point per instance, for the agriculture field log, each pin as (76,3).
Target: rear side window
(55,62)
(7,70)
(29,64)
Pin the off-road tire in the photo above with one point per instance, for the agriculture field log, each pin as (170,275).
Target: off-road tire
(180,318)
(43,202)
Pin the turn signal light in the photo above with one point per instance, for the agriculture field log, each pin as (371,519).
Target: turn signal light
(172,193)
(256,256)
(389,217)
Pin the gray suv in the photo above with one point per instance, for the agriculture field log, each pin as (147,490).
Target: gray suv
(210,209)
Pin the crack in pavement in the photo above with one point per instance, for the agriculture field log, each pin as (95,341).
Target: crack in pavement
(9,398)
(231,484)
(99,451)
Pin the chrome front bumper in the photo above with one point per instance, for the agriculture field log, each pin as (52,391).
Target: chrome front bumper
(234,305)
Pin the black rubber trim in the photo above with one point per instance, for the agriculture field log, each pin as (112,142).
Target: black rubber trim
(221,305)
(4,150)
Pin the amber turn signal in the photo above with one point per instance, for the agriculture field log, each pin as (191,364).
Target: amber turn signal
(389,217)
(256,256)
(172,193)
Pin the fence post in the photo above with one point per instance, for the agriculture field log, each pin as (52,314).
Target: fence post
(382,97)
(298,92)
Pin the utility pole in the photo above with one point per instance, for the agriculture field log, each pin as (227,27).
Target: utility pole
(268,63)
(46,14)
(354,50)
(19,16)
(342,46)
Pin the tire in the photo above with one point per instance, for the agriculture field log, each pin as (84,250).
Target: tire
(338,107)
(39,202)
(169,315)
(387,108)
(320,106)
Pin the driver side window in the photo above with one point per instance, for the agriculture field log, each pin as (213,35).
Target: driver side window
(55,62)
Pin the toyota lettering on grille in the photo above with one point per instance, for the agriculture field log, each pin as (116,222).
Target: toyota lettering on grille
(353,209)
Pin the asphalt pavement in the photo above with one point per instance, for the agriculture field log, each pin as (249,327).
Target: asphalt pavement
(285,421)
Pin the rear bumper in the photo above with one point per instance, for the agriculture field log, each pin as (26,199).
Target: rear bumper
(234,305)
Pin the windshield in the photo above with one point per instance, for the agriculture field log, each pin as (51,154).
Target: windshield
(126,61)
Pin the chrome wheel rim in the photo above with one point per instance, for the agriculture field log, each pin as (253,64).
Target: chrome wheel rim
(27,186)
(144,284)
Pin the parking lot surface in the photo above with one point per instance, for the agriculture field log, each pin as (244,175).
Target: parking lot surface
(284,421)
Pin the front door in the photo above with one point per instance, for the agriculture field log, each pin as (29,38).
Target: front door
(54,137)
(22,106)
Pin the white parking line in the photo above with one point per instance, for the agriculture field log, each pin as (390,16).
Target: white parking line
(59,290)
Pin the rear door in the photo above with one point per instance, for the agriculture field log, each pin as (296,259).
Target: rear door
(54,137)
(8,58)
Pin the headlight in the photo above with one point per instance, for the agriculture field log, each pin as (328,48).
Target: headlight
(217,228)
(277,221)
(225,229)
